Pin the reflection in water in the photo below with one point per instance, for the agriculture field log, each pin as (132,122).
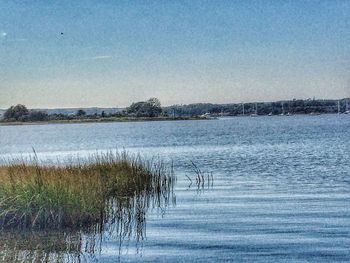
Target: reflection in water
(123,219)
(45,246)
(202,179)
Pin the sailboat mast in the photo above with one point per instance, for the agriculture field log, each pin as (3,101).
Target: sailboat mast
(243,108)
(338,107)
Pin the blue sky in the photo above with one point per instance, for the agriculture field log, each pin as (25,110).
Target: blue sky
(114,52)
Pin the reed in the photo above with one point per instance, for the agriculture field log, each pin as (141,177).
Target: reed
(92,192)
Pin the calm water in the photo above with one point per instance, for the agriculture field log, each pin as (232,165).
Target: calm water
(281,189)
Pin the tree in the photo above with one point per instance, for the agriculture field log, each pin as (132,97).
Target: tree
(137,108)
(16,113)
(38,116)
(149,108)
(155,107)
(154,102)
(81,113)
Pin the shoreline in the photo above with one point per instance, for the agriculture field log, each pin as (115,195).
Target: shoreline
(145,119)
(105,120)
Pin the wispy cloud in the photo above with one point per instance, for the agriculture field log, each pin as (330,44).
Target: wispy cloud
(100,57)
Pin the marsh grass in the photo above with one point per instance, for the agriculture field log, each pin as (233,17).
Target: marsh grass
(96,192)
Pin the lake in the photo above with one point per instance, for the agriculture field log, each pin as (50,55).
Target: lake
(280,190)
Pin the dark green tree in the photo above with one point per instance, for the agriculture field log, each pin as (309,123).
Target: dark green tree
(16,113)
(149,108)
(38,116)
(155,107)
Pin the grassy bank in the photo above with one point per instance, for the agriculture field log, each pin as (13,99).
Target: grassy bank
(92,192)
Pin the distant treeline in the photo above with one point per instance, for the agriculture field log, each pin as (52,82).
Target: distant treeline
(261,108)
(152,109)
(146,109)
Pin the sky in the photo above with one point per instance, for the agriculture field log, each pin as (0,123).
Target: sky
(110,53)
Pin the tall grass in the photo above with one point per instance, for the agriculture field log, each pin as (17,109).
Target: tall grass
(94,192)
